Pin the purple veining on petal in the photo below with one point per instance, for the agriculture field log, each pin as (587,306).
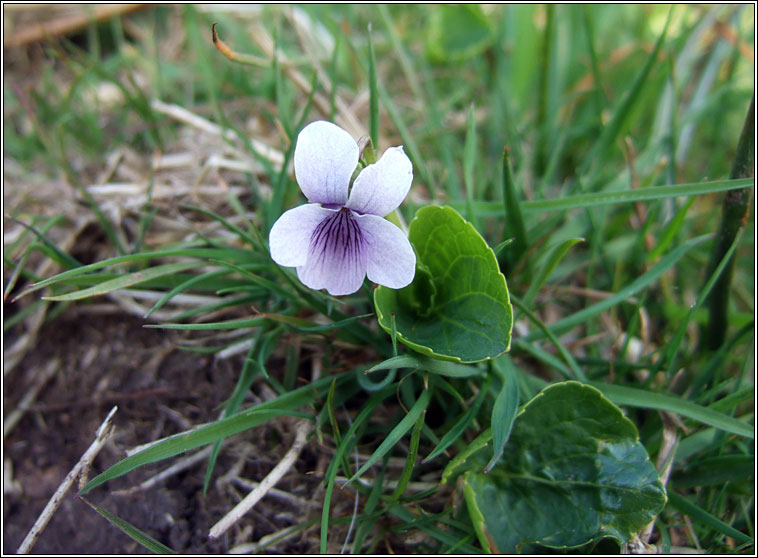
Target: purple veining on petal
(336,255)
(340,237)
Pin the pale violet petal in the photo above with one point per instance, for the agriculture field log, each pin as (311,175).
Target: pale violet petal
(381,187)
(325,159)
(389,255)
(291,234)
(336,255)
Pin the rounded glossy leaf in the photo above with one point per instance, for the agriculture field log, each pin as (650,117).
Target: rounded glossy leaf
(572,472)
(458,306)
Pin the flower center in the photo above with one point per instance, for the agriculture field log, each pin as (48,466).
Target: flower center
(337,235)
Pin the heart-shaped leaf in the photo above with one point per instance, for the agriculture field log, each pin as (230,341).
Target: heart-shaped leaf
(458,306)
(572,472)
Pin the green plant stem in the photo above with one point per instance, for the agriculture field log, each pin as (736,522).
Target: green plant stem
(735,211)
(373,95)
(542,90)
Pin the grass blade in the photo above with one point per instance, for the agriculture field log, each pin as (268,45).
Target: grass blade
(59,255)
(370,518)
(623,395)
(245,237)
(410,462)
(611,131)
(638,284)
(226,254)
(701,516)
(596,199)
(735,212)
(126,281)
(347,441)
(505,409)
(247,376)
(460,426)
(672,349)
(398,432)
(544,273)
(373,117)
(575,368)
(183,287)
(427,526)
(469,164)
(442,367)
(230,324)
(219,430)
(514,221)
(135,534)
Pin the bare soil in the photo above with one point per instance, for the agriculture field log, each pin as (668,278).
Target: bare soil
(110,359)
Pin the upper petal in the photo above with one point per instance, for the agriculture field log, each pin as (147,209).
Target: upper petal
(381,187)
(325,158)
(336,255)
(291,234)
(390,260)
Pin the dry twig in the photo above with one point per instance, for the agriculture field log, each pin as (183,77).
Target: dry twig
(14,416)
(266,484)
(103,435)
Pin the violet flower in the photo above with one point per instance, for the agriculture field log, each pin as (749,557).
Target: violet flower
(341,236)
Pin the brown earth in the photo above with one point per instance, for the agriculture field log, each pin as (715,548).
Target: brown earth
(107,360)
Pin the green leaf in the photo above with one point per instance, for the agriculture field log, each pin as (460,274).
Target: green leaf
(458,32)
(458,307)
(575,473)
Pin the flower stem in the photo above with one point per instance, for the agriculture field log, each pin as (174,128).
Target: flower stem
(735,211)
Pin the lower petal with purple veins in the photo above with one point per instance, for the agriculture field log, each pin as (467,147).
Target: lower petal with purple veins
(336,255)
